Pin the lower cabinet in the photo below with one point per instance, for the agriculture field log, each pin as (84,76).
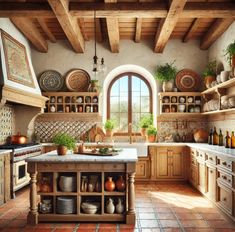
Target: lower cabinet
(2,180)
(210,182)
(142,168)
(193,168)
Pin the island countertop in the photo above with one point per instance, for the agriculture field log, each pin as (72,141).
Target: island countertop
(127,155)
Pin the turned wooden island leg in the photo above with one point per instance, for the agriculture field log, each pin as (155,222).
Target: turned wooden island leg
(130,218)
(33,213)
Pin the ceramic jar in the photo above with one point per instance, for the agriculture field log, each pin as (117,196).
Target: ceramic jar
(84,183)
(167,86)
(110,208)
(119,206)
(120,184)
(109,184)
(52,108)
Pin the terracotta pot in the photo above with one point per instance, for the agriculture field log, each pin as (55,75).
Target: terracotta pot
(208,80)
(143,131)
(167,86)
(120,184)
(109,133)
(233,61)
(18,139)
(62,150)
(200,136)
(109,184)
(151,138)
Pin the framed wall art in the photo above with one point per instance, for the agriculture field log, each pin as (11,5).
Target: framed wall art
(16,59)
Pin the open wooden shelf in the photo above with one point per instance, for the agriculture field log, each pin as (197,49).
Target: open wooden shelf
(219,111)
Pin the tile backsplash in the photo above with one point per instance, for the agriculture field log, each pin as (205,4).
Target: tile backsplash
(6,122)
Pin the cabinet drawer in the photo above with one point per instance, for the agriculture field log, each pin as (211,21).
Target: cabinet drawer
(226,178)
(225,164)
(142,169)
(210,158)
(225,198)
(200,155)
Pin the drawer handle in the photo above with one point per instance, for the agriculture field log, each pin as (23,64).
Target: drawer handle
(224,177)
(224,163)
(229,180)
(229,166)
(224,199)
(211,171)
(197,154)
(210,158)
(201,155)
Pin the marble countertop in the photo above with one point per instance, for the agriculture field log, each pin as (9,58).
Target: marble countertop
(3,152)
(127,155)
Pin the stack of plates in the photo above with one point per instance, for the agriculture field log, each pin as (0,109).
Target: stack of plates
(67,183)
(66,205)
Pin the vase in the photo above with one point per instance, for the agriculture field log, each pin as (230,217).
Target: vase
(143,131)
(93,87)
(120,184)
(151,138)
(110,208)
(62,150)
(109,184)
(119,206)
(167,86)
(109,133)
(208,81)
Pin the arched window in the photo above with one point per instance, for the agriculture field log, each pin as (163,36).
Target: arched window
(129,98)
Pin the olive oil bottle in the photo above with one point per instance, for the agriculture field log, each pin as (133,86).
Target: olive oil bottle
(227,140)
(232,140)
(215,139)
(221,138)
(210,137)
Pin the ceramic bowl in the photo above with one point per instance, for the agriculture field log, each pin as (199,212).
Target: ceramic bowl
(182,100)
(231,102)
(224,101)
(181,107)
(91,207)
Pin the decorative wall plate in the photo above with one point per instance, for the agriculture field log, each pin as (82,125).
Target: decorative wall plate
(187,80)
(78,80)
(51,81)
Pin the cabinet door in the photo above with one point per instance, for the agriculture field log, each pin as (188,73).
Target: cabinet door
(201,177)
(177,164)
(163,169)
(7,178)
(142,170)
(211,183)
(1,180)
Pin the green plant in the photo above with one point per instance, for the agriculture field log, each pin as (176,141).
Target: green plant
(165,72)
(63,139)
(229,52)
(109,124)
(151,130)
(146,121)
(210,69)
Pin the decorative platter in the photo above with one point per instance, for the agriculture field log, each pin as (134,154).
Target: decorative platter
(187,80)
(78,80)
(51,80)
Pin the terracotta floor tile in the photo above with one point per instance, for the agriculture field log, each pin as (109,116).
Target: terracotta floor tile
(224,230)
(212,216)
(108,225)
(151,230)
(198,230)
(125,226)
(107,230)
(163,210)
(220,224)
(188,216)
(126,230)
(10,230)
(43,230)
(17,223)
(143,210)
(86,230)
(64,230)
(149,224)
(166,216)
(87,226)
(172,230)
(169,223)
(182,210)
(66,225)
(146,216)
(194,223)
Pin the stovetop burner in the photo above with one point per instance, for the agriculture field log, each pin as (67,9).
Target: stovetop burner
(15,146)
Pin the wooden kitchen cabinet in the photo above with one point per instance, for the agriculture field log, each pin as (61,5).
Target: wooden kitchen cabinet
(200,157)
(210,182)
(193,168)
(48,148)
(4,178)
(142,169)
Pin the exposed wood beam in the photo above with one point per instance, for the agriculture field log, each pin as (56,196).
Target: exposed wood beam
(98,31)
(120,9)
(138,28)
(214,32)
(68,24)
(167,27)
(192,30)
(113,29)
(81,24)
(46,30)
(31,33)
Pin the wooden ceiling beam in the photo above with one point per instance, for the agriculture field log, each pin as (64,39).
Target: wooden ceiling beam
(195,24)
(214,32)
(27,27)
(69,24)
(98,31)
(46,30)
(168,25)
(138,29)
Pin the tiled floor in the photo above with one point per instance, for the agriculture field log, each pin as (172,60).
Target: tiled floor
(159,207)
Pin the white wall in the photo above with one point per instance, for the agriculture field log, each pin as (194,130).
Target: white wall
(7,26)
(216,51)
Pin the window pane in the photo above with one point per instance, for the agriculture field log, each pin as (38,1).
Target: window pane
(115,117)
(144,89)
(123,122)
(135,122)
(114,104)
(124,84)
(144,104)
(136,104)
(136,82)
(123,104)
(115,89)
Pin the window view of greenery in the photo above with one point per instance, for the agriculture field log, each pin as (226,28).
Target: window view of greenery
(119,98)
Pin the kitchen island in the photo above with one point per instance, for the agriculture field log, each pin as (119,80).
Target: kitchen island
(47,170)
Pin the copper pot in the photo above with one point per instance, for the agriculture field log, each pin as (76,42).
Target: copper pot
(18,139)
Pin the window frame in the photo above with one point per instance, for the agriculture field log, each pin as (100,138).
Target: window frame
(129,75)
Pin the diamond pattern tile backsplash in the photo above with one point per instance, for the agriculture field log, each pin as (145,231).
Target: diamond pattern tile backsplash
(6,123)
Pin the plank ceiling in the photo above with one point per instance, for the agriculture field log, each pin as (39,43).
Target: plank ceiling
(137,20)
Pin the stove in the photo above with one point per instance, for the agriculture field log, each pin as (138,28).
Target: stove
(19,174)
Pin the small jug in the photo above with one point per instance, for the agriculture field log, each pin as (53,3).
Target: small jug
(110,206)
(119,206)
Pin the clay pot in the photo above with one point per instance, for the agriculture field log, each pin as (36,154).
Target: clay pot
(151,138)
(62,150)
(120,184)
(109,133)
(109,184)
(143,131)
(167,86)
(201,136)
(18,139)
(208,80)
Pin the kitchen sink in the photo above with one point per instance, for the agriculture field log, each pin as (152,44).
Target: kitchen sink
(142,148)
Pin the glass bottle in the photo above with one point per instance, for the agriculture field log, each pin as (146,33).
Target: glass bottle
(210,137)
(227,140)
(232,140)
(221,138)
(215,140)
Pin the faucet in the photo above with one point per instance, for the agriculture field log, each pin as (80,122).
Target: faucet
(130,133)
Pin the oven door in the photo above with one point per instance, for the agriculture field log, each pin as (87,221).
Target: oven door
(21,177)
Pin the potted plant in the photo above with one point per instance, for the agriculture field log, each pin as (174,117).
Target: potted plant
(109,125)
(210,73)
(64,143)
(151,132)
(145,122)
(230,54)
(166,74)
